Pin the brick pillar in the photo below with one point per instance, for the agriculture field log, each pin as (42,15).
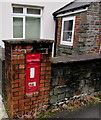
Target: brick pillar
(18,103)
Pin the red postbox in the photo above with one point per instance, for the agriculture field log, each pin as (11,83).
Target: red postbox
(32,72)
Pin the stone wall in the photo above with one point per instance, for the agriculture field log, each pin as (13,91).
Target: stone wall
(18,102)
(74,76)
(86,35)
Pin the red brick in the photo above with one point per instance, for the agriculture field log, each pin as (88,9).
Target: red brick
(41,85)
(28,103)
(35,102)
(46,99)
(17,98)
(21,108)
(48,77)
(16,81)
(21,88)
(42,93)
(42,77)
(21,75)
(24,100)
(16,94)
(41,100)
(41,81)
(46,92)
(19,71)
(14,57)
(49,68)
(34,98)
(27,107)
(21,105)
(44,88)
(21,57)
(15,89)
(16,110)
(45,80)
(47,84)
(15,85)
(15,76)
(21,92)
(43,96)
(15,102)
(17,62)
(14,52)
(43,64)
(43,68)
(21,84)
(22,66)
(15,106)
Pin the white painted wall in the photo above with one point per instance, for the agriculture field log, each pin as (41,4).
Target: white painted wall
(48,23)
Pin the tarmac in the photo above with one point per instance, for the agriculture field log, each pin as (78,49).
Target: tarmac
(91,112)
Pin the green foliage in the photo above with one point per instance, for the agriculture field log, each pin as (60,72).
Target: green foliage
(70,107)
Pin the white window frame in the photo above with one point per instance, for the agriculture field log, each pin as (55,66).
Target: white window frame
(23,15)
(67,42)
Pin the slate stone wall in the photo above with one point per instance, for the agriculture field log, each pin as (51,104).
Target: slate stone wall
(87,33)
(74,78)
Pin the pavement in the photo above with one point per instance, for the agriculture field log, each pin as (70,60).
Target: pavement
(3,113)
(91,112)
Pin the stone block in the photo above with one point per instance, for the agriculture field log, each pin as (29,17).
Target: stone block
(67,94)
(61,97)
(85,89)
(55,90)
(53,99)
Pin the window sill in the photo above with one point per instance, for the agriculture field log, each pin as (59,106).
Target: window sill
(67,43)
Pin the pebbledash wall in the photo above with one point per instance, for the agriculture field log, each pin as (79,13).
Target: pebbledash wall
(18,103)
(87,35)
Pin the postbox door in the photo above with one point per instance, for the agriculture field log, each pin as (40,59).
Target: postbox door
(32,77)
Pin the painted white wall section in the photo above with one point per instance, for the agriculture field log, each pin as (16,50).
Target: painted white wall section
(0,22)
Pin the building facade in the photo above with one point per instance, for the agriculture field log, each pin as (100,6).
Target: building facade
(78,28)
(27,19)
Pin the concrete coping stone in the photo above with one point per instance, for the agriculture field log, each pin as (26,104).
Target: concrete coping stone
(75,58)
(24,41)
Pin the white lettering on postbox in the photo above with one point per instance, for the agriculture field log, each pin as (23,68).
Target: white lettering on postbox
(32,84)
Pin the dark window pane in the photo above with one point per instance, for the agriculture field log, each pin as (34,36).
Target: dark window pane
(68,25)
(17,10)
(33,11)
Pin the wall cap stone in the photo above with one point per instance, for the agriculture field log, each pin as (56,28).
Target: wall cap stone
(75,58)
(24,41)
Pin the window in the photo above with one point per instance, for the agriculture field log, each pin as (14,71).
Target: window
(26,22)
(67,30)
